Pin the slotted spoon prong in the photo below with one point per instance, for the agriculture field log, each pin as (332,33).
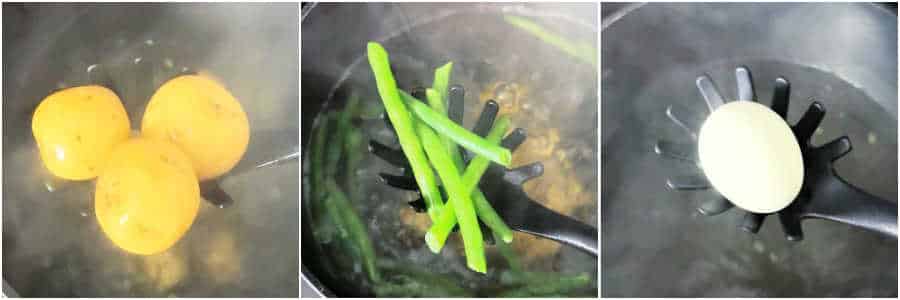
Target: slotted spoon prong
(456,99)
(418,205)
(681,117)
(809,122)
(520,175)
(793,231)
(212,192)
(514,139)
(397,181)
(836,148)
(744,84)
(418,93)
(709,92)
(387,121)
(714,206)
(486,118)
(681,151)
(390,155)
(687,182)
(781,97)
(751,222)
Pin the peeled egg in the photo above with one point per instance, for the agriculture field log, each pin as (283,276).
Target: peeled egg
(75,129)
(147,196)
(199,115)
(750,156)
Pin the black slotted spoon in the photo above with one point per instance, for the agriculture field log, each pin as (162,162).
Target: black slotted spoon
(501,186)
(823,195)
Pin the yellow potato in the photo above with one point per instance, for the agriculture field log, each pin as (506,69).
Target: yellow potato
(203,118)
(75,129)
(147,196)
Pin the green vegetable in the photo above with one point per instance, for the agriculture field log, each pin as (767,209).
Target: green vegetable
(410,280)
(352,141)
(405,128)
(457,133)
(334,212)
(440,228)
(534,284)
(336,145)
(441,83)
(462,203)
(316,192)
(583,51)
(512,259)
(355,228)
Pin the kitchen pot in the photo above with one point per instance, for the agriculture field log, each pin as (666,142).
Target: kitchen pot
(52,243)
(654,244)
(544,90)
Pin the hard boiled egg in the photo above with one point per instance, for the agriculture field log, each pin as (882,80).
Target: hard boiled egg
(750,155)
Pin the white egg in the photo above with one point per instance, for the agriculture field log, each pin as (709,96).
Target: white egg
(750,156)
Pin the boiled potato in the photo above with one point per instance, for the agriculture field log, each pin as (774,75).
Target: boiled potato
(199,115)
(750,156)
(76,128)
(147,196)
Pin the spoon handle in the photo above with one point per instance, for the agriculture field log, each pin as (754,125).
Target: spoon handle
(552,225)
(839,201)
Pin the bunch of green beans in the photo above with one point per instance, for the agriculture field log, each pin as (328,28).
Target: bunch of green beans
(335,142)
(430,141)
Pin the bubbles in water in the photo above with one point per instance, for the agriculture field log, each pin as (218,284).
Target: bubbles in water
(758,246)
(168,63)
(872,138)
(91,68)
(84,214)
(49,186)
(149,42)
(138,60)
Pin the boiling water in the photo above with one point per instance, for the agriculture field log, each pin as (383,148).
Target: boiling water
(52,244)
(555,102)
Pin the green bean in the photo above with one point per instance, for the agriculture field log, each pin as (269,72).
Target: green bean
(546,285)
(405,128)
(334,213)
(582,51)
(508,253)
(336,145)
(435,284)
(479,164)
(462,203)
(352,140)
(436,102)
(442,82)
(482,207)
(440,229)
(489,216)
(355,228)
(457,133)
(316,193)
